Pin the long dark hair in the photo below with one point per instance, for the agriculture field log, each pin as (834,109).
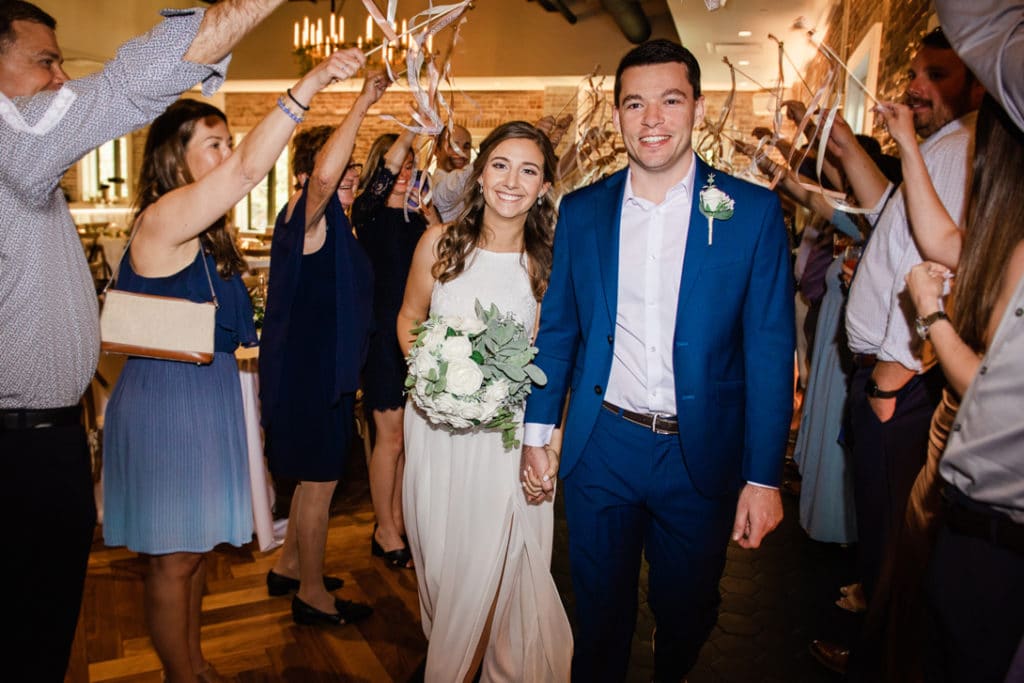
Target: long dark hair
(164,169)
(467,231)
(995,221)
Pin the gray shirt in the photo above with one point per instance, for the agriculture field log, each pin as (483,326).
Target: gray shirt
(447,190)
(984,456)
(49,326)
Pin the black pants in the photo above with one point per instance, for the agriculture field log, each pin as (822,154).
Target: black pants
(975,594)
(48,488)
(887,457)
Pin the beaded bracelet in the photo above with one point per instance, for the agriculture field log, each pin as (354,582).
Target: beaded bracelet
(284,107)
(300,105)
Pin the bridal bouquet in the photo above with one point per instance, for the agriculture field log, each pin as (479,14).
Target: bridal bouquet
(473,372)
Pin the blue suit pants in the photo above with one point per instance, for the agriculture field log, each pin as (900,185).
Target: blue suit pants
(630,493)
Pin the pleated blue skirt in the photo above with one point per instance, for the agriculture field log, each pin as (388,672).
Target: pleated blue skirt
(175,464)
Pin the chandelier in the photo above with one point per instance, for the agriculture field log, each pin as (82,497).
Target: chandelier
(315,41)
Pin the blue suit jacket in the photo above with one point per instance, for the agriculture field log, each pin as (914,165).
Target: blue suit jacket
(732,352)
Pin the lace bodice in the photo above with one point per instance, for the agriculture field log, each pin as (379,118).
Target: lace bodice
(491,277)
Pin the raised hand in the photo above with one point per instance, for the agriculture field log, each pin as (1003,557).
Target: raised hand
(375,85)
(341,65)
(899,121)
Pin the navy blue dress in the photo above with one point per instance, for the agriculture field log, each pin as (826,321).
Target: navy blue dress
(175,457)
(390,240)
(315,334)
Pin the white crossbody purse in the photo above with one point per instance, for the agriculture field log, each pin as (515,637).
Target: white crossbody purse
(155,326)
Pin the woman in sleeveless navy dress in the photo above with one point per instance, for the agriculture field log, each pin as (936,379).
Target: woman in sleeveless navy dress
(175,463)
(315,337)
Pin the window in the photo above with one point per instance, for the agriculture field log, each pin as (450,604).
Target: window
(864,68)
(258,209)
(103,173)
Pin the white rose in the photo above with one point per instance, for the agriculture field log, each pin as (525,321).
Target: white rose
(488,409)
(444,404)
(472,411)
(497,391)
(464,377)
(456,348)
(434,338)
(469,325)
(714,199)
(422,363)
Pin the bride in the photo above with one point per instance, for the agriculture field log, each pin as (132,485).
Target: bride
(482,554)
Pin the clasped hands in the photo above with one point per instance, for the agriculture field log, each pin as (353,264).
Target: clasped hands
(538,469)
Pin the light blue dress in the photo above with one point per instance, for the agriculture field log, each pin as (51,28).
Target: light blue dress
(826,491)
(175,460)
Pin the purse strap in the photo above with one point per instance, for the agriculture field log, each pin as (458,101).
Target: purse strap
(202,252)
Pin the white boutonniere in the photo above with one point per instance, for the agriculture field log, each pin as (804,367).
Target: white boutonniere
(715,204)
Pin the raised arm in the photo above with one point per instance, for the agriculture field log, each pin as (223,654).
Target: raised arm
(180,215)
(866,179)
(332,159)
(399,149)
(418,287)
(937,236)
(224,25)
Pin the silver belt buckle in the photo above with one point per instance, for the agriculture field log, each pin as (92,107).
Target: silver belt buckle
(654,424)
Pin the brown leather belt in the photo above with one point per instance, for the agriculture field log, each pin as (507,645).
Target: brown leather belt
(990,525)
(12,419)
(865,360)
(659,424)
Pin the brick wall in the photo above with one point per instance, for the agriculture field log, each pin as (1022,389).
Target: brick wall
(478,111)
(903,23)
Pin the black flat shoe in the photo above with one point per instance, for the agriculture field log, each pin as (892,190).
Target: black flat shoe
(348,613)
(278,584)
(398,558)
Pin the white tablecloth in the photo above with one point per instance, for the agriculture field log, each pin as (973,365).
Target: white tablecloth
(267,536)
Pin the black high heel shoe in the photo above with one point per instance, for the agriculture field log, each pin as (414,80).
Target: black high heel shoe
(278,584)
(398,558)
(348,613)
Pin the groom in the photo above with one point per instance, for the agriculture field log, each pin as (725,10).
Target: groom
(674,336)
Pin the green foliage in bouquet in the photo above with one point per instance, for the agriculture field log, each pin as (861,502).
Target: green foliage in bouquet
(480,381)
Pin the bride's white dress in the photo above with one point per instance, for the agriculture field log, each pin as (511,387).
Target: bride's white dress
(476,543)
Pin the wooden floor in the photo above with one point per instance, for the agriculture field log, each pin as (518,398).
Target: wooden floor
(250,636)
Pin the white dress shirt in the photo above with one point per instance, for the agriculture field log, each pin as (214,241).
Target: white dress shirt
(880,314)
(652,241)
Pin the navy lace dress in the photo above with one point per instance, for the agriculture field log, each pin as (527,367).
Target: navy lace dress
(390,238)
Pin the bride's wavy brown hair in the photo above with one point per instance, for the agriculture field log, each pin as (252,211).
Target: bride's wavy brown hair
(164,169)
(467,232)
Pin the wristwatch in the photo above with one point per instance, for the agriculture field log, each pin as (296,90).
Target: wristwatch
(874,392)
(923,323)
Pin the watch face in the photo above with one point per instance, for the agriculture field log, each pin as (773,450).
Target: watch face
(922,328)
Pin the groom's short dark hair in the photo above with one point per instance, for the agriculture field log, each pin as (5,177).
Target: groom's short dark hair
(659,51)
